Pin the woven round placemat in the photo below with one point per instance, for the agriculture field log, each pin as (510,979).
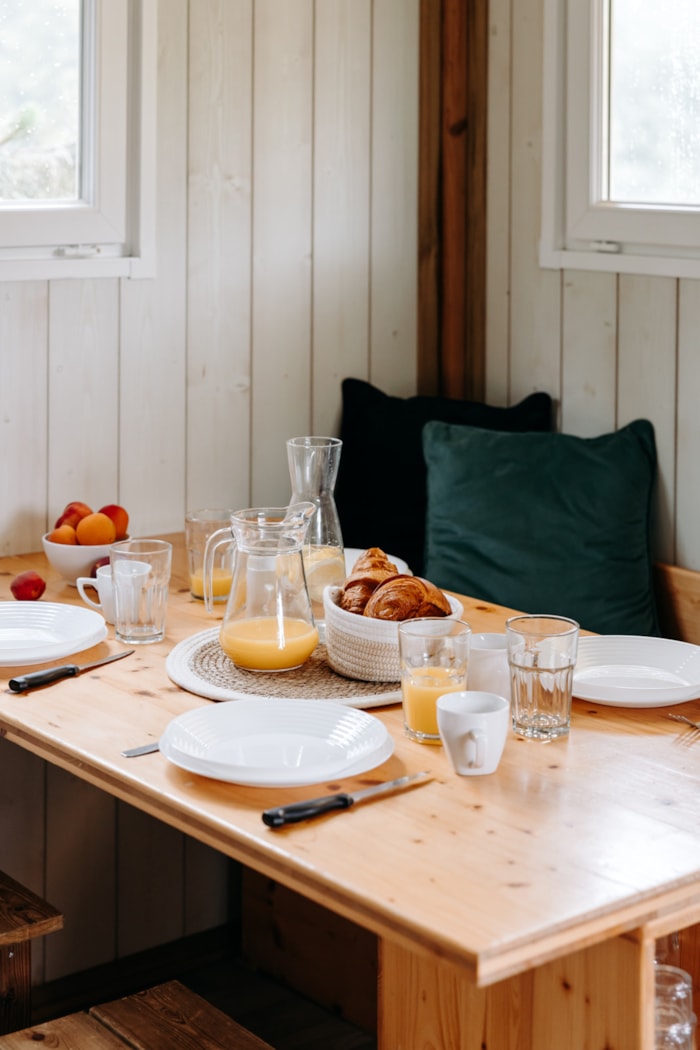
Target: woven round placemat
(199,665)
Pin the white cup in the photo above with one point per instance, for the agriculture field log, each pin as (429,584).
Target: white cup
(473,728)
(102,583)
(488,665)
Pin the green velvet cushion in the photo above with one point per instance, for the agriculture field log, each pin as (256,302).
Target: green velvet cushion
(545,523)
(380,493)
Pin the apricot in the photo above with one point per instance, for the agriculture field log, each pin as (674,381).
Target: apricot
(28,586)
(95,528)
(63,534)
(119,516)
(72,513)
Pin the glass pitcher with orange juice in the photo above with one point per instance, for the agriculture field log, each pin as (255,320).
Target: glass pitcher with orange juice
(268,623)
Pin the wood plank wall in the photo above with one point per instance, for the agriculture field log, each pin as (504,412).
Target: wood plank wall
(287,149)
(609,348)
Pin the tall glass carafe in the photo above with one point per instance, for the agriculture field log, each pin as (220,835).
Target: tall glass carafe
(313,469)
(268,623)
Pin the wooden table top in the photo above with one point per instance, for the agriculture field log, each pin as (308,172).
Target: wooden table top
(566,844)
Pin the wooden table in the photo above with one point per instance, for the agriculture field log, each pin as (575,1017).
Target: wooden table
(517,910)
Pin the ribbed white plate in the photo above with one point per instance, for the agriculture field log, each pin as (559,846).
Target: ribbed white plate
(632,671)
(33,632)
(276,743)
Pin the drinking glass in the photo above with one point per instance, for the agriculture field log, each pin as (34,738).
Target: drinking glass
(434,657)
(674,1020)
(140,578)
(541,656)
(199,526)
(313,469)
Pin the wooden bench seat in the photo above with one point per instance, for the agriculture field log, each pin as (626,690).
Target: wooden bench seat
(23,917)
(166,1017)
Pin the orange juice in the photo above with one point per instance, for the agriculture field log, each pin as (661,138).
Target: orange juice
(220,583)
(420,688)
(268,644)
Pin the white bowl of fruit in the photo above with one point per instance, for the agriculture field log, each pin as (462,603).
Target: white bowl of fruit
(80,540)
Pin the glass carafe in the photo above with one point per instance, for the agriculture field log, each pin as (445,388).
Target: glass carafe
(268,623)
(313,469)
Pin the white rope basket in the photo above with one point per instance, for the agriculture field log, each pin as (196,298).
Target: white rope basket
(362,647)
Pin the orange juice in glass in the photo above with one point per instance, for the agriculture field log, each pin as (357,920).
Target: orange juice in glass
(199,526)
(434,658)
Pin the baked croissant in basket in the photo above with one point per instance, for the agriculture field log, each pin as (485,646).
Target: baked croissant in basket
(407,598)
(370,570)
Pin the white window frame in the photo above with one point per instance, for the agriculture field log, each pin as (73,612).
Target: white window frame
(581,230)
(113,233)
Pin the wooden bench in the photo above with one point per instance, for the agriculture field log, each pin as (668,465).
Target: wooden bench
(678,600)
(166,1017)
(23,917)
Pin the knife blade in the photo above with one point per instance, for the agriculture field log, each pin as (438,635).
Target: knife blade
(143,749)
(55,674)
(314,807)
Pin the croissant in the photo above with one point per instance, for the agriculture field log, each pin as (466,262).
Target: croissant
(370,570)
(406,598)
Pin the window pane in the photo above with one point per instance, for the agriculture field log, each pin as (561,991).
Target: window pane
(655,102)
(40,100)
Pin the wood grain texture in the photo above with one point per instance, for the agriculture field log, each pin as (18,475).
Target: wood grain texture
(580,847)
(73,1032)
(23,914)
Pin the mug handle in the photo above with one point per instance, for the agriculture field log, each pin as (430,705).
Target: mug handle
(475,748)
(87,581)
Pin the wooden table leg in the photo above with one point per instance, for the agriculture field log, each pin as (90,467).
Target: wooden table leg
(15,986)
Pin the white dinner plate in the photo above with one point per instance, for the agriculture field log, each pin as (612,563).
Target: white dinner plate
(353,553)
(32,632)
(276,743)
(632,671)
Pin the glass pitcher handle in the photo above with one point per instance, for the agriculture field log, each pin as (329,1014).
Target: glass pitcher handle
(216,540)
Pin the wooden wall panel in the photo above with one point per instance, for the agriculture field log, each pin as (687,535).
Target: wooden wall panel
(83,445)
(219,252)
(282,189)
(687,476)
(589,346)
(152,352)
(535,320)
(647,383)
(498,168)
(394,236)
(80,873)
(341,204)
(23,415)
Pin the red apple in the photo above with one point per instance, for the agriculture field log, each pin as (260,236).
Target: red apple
(72,513)
(28,586)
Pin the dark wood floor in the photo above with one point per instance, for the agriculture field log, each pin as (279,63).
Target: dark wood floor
(210,966)
(280,1016)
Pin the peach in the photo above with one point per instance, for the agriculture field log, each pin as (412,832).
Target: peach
(95,529)
(98,565)
(63,534)
(28,586)
(119,516)
(72,513)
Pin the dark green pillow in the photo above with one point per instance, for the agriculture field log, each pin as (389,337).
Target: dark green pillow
(380,492)
(545,523)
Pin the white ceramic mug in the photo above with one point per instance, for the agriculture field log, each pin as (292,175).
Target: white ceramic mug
(488,665)
(102,583)
(473,728)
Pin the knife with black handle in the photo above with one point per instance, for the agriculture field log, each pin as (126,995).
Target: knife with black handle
(315,807)
(23,682)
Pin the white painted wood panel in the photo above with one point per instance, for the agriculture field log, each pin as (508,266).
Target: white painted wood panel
(535,317)
(153,318)
(498,176)
(282,189)
(219,252)
(394,236)
(341,204)
(589,347)
(23,415)
(647,382)
(687,478)
(83,440)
